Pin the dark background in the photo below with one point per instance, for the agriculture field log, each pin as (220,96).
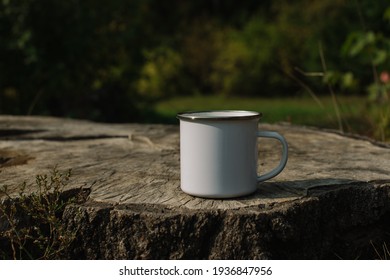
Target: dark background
(112,60)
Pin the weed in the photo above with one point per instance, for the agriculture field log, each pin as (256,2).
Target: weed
(30,224)
(382,253)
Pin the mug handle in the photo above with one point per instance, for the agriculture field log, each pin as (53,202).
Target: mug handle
(283,161)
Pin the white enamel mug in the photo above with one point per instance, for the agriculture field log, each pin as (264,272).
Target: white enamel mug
(218,153)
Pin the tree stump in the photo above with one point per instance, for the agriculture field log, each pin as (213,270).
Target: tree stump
(331,201)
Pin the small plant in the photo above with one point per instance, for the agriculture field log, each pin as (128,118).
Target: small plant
(30,224)
(382,253)
(366,51)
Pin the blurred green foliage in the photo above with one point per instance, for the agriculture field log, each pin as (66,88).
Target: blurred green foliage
(160,76)
(111,60)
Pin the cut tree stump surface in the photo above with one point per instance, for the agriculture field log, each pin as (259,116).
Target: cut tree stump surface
(332,199)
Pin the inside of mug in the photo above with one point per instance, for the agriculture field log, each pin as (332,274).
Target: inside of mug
(222,114)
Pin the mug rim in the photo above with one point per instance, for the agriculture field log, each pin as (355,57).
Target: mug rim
(220,115)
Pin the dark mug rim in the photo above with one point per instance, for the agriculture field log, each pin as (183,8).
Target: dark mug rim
(219,115)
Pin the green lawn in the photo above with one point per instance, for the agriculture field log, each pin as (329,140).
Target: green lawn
(295,110)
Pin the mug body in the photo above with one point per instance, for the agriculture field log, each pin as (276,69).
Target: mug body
(218,153)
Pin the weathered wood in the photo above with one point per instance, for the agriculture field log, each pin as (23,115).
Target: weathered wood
(133,174)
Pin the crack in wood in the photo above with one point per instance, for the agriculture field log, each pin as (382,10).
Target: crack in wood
(69,138)
(4,133)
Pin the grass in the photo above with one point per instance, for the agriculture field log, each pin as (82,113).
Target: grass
(295,110)
(383,252)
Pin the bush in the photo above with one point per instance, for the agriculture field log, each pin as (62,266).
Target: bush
(161,75)
(245,64)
